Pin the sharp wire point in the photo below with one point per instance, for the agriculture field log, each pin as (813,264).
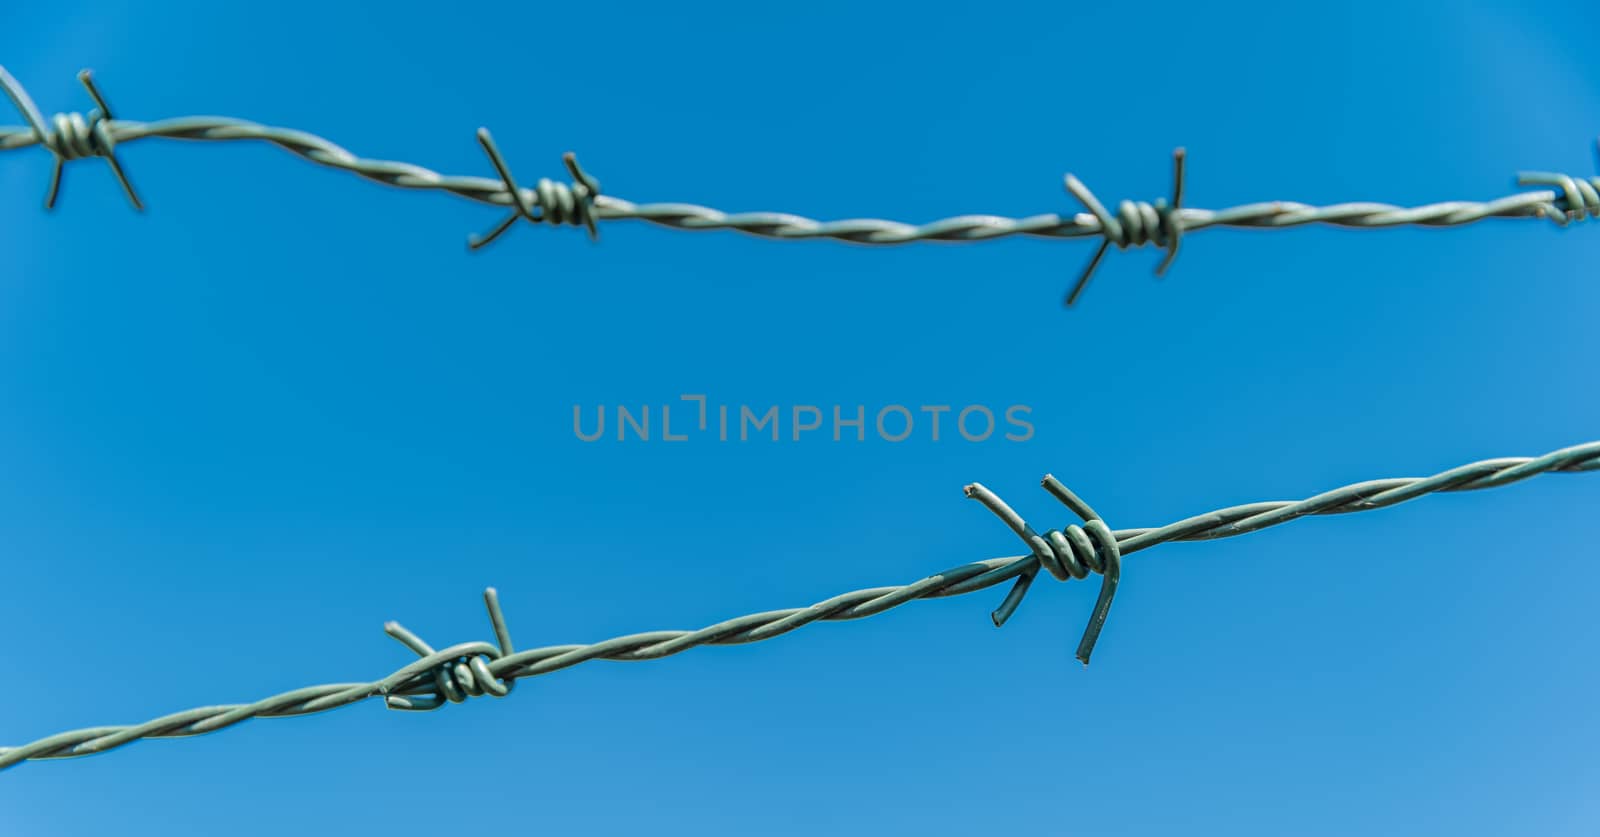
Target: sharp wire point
(591,190)
(1087,274)
(1173,214)
(54,189)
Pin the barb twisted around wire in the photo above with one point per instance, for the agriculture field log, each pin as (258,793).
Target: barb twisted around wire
(1073,553)
(459,677)
(553,202)
(480,668)
(71,136)
(1136,223)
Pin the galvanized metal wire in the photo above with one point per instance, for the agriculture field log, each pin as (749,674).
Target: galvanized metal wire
(461,671)
(1162,223)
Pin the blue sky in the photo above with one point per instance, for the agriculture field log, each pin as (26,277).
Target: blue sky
(243,429)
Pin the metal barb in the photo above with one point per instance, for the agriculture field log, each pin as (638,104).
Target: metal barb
(457,677)
(98,120)
(1572,198)
(521,207)
(590,185)
(74,135)
(1173,217)
(1575,198)
(1070,553)
(1135,224)
(556,203)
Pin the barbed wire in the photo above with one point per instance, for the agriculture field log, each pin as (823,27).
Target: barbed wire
(469,669)
(1162,223)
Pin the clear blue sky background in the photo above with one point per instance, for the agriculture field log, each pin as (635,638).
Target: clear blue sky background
(242,430)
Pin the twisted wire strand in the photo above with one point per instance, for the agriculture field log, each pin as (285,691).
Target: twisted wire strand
(579,203)
(460,671)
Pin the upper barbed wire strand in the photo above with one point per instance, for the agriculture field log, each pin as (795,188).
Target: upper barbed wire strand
(1265,214)
(475,665)
(1136,223)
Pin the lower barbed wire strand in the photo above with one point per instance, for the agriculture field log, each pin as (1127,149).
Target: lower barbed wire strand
(500,665)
